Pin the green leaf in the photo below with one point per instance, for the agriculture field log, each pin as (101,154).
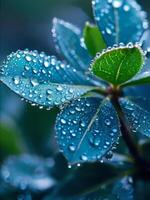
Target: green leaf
(118,65)
(140,79)
(87,178)
(93,39)
(10,142)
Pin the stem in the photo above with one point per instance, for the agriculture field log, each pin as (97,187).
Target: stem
(142,164)
(100,91)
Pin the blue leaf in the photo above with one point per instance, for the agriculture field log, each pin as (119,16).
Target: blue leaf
(27,172)
(69,40)
(87,129)
(137,111)
(43,79)
(120,20)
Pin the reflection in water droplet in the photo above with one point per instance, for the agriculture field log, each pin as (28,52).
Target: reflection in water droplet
(59,88)
(107,122)
(34,82)
(72,148)
(63,121)
(117,3)
(84,157)
(28,58)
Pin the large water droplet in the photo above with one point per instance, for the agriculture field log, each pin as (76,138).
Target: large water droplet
(59,88)
(72,147)
(63,121)
(34,82)
(28,58)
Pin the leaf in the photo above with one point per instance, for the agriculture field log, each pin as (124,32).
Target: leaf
(120,21)
(87,129)
(43,79)
(93,39)
(88,178)
(137,112)
(140,79)
(27,172)
(118,65)
(10,141)
(120,189)
(69,40)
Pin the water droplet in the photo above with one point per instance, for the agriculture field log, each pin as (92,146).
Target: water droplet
(63,121)
(126,8)
(84,157)
(108,31)
(117,3)
(28,58)
(72,148)
(96,142)
(16,80)
(59,88)
(114,130)
(83,124)
(107,122)
(34,82)
(46,63)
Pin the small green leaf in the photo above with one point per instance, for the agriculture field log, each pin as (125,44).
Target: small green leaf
(140,79)
(93,39)
(118,65)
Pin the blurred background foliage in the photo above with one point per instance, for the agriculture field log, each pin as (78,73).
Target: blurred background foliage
(27,24)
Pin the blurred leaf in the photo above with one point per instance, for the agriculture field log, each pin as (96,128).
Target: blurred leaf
(7,192)
(28,172)
(114,27)
(10,141)
(88,178)
(87,129)
(93,39)
(116,65)
(37,128)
